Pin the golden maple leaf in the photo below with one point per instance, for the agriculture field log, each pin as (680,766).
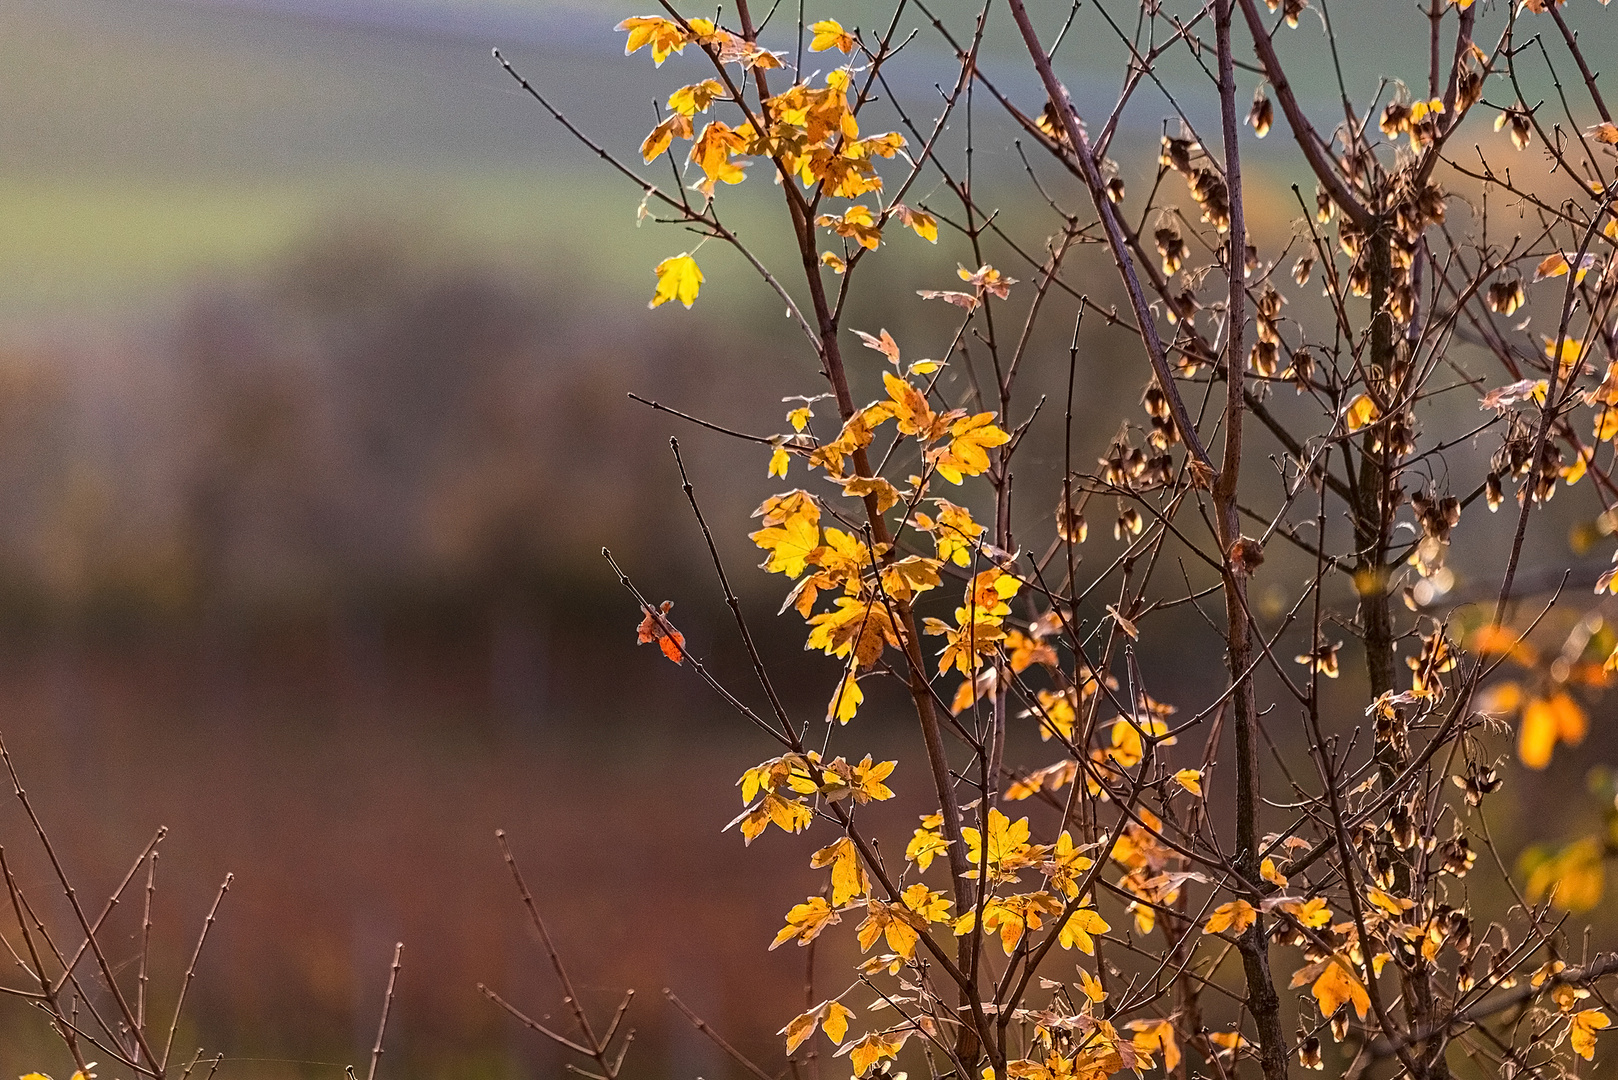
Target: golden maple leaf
(662,35)
(678,278)
(829,34)
(1233,918)
(1582,1031)
(806,920)
(1080,928)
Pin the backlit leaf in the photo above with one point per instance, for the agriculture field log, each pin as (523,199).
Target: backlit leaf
(678,278)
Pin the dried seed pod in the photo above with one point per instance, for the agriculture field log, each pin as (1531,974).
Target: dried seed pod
(1176,154)
(1208,189)
(1349,238)
(1262,115)
(1115,190)
(1359,281)
(1183,306)
(1302,268)
(1264,358)
(1468,89)
(1458,927)
(1480,780)
(1070,526)
(1289,9)
(1172,248)
(1431,201)
(1500,974)
(1402,303)
(1324,207)
(1302,369)
(1504,297)
(1270,301)
(1522,130)
(1395,120)
(1402,828)
(1309,1051)
(1493,492)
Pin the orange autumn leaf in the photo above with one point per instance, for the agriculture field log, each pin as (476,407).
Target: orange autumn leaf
(1233,918)
(656,627)
(1582,1030)
(1334,985)
(1547,721)
(662,136)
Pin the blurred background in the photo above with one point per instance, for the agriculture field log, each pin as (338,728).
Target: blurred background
(315,340)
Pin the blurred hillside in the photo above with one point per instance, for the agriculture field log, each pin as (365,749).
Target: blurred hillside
(315,341)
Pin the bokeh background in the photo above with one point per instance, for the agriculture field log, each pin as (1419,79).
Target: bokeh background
(315,340)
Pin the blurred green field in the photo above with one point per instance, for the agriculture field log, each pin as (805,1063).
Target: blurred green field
(151,143)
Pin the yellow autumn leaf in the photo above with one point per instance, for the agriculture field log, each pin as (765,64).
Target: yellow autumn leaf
(923,223)
(848,878)
(1233,918)
(1269,873)
(1557,264)
(690,100)
(806,920)
(1337,986)
(1546,721)
(1360,412)
(859,487)
(829,34)
(1080,927)
(930,904)
(835,1025)
(845,702)
(1574,877)
(798,1029)
(1091,987)
(1582,1032)
(678,278)
(779,459)
(892,922)
(966,454)
(1311,913)
(789,543)
(924,846)
(1393,905)
(1153,1036)
(662,35)
(871,1049)
(1191,780)
(662,136)
(1570,350)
